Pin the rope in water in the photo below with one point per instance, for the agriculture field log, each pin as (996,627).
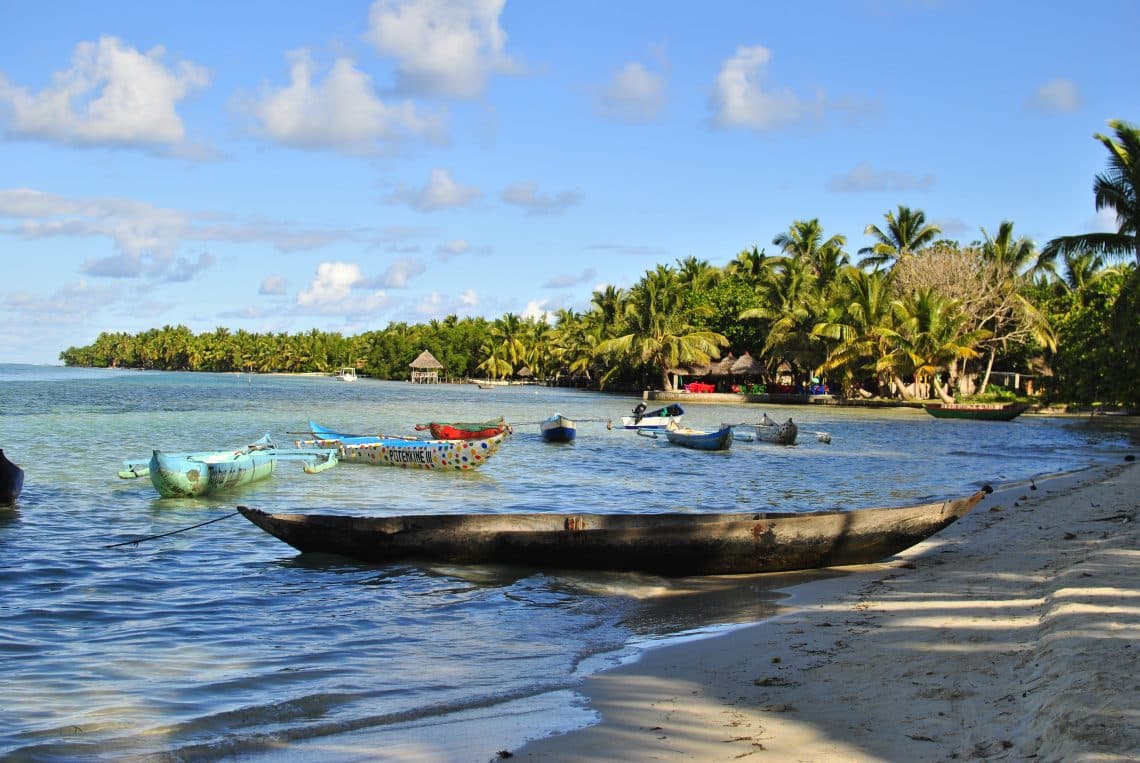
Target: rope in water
(137,541)
(572,418)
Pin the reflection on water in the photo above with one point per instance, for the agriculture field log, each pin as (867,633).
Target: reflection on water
(222,641)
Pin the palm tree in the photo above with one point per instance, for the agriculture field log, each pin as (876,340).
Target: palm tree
(906,233)
(508,332)
(1115,189)
(1083,269)
(1019,255)
(804,239)
(750,265)
(697,274)
(867,303)
(928,338)
(791,303)
(607,306)
(660,331)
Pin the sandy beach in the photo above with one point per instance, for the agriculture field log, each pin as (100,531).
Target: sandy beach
(1013,634)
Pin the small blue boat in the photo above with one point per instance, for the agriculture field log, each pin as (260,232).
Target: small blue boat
(699,439)
(558,428)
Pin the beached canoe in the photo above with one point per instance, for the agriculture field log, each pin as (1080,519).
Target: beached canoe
(977,411)
(656,419)
(11,481)
(558,428)
(183,475)
(464,430)
(382,450)
(665,544)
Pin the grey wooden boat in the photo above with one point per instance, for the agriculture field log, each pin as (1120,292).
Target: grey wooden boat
(665,544)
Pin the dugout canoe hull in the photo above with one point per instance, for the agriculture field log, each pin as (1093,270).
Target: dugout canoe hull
(667,544)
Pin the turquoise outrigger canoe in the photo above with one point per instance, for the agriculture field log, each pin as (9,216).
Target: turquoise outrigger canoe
(406,452)
(183,475)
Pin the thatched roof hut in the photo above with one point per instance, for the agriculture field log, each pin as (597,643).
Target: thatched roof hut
(722,367)
(425,369)
(746,365)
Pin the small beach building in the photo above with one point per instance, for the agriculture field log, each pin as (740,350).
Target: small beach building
(425,369)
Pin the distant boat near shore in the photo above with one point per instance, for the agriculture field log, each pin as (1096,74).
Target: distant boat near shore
(977,411)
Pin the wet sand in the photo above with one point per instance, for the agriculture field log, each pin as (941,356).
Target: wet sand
(1013,634)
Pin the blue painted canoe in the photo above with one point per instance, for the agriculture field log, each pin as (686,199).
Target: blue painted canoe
(558,428)
(407,452)
(699,439)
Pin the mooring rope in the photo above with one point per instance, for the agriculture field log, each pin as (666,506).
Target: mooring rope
(137,541)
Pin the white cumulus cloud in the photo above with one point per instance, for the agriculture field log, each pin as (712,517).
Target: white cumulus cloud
(527,196)
(341,111)
(634,95)
(441,192)
(1056,96)
(442,47)
(111,95)
(273,285)
(334,290)
(741,98)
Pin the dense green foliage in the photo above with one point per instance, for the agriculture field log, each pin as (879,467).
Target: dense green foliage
(917,316)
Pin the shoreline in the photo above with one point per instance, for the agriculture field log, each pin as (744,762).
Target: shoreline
(1013,633)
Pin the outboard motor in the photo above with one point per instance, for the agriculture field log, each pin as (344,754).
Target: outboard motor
(638,411)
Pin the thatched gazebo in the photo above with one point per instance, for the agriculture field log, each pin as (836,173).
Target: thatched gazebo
(746,365)
(425,369)
(722,367)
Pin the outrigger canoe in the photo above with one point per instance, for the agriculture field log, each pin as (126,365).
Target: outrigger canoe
(464,430)
(664,544)
(184,475)
(977,411)
(382,450)
(11,481)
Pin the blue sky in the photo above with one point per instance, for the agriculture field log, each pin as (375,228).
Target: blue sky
(283,166)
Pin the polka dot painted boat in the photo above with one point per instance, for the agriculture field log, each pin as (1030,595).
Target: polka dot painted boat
(410,453)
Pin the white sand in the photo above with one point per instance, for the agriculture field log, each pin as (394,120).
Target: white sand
(1013,634)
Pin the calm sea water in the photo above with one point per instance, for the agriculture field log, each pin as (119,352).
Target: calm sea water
(222,642)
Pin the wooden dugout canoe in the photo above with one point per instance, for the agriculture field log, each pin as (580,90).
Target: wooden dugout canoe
(11,481)
(665,544)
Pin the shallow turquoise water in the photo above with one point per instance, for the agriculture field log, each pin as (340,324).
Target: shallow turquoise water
(221,641)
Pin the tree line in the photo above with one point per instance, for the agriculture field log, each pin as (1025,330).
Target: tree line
(913,314)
